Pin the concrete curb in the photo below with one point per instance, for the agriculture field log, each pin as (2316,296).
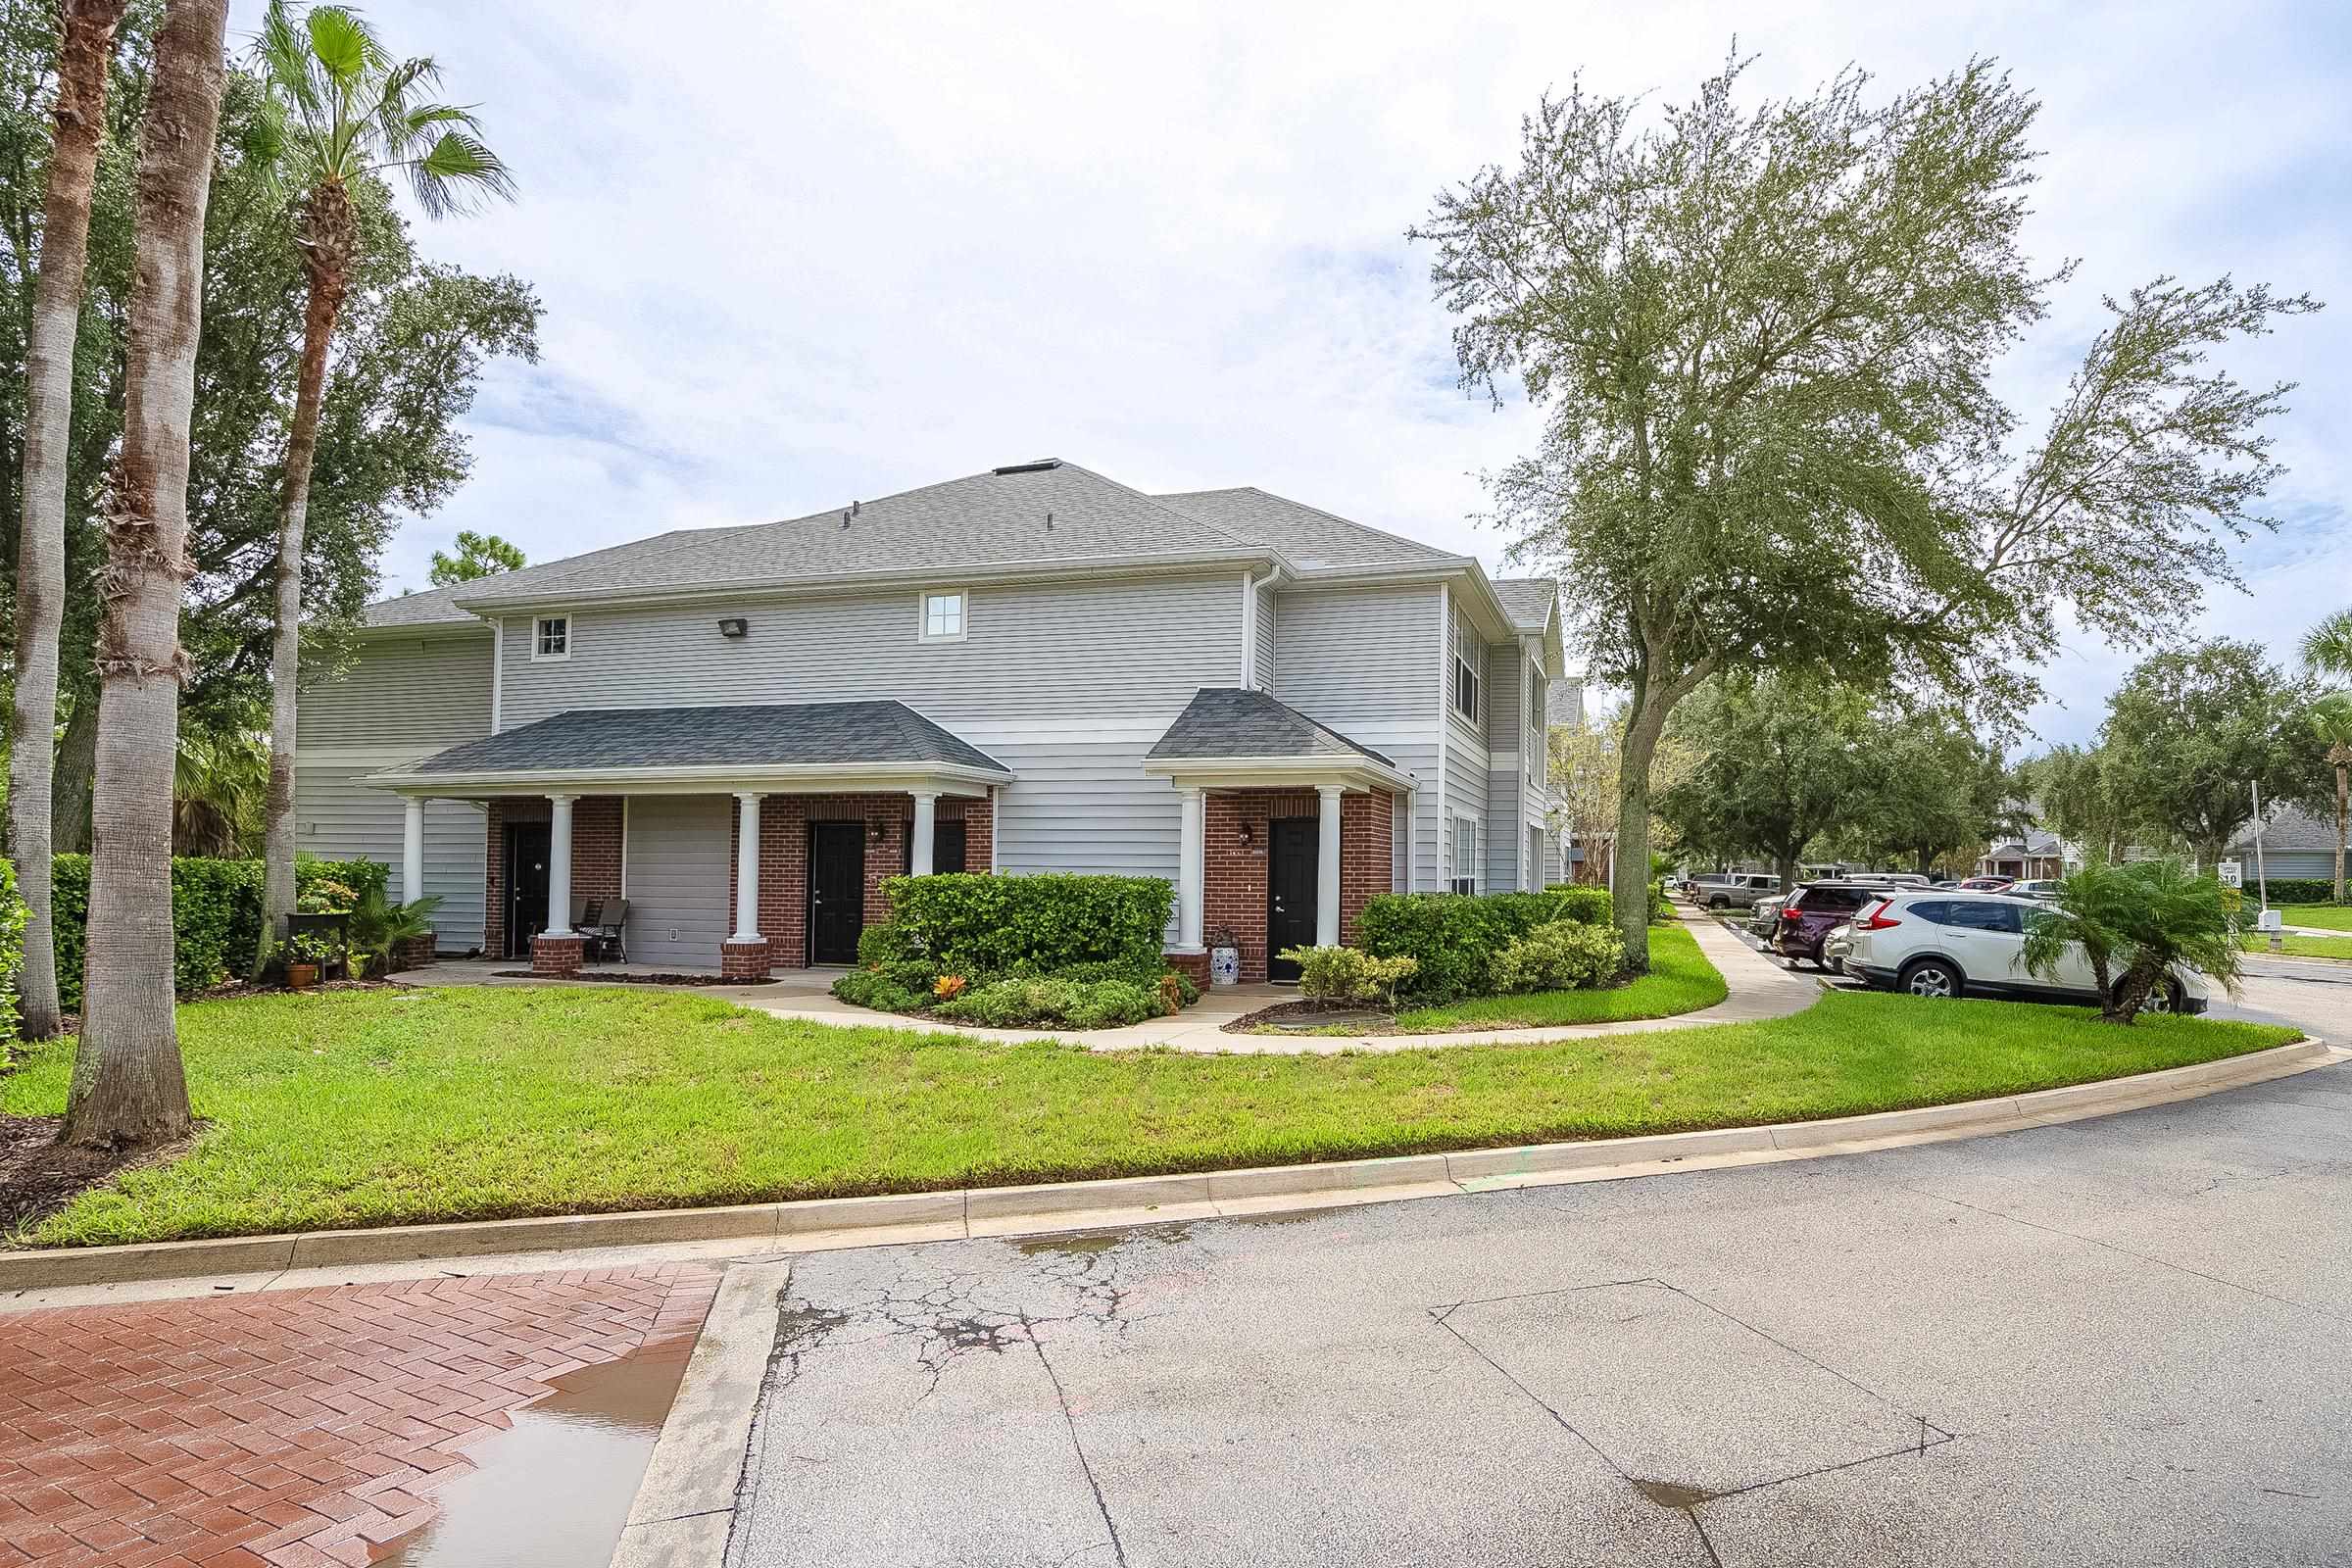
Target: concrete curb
(825,1223)
(685,1507)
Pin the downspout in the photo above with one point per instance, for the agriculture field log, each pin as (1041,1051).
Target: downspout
(1249,588)
(498,671)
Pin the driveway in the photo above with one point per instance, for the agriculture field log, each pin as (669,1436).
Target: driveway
(2121,1341)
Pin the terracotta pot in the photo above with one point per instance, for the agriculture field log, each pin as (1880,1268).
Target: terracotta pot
(301,976)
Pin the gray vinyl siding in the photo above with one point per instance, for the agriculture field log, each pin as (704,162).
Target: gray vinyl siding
(1504,698)
(1367,661)
(422,692)
(1067,685)
(401,697)
(1269,647)
(337,818)
(677,850)
(2291,863)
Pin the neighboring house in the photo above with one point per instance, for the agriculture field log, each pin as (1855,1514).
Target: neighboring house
(2037,857)
(2294,844)
(744,730)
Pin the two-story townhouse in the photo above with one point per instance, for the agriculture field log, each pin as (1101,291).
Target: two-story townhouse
(744,731)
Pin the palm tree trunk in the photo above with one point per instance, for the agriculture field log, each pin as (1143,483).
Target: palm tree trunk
(84,55)
(2343,812)
(129,1086)
(326,248)
(77,765)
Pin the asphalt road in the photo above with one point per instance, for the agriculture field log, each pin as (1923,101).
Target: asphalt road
(2121,1341)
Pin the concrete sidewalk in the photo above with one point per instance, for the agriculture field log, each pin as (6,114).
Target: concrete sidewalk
(1759,988)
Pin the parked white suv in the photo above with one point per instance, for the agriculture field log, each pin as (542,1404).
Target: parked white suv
(1945,943)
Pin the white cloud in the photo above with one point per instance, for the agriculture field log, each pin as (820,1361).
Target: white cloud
(792,254)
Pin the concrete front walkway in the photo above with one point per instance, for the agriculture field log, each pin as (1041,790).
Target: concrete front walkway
(1759,989)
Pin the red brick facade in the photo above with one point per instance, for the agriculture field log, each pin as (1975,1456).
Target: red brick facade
(1235,873)
(595,854)
(889,823)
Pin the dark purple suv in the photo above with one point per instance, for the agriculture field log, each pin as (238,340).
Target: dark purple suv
(1817,909)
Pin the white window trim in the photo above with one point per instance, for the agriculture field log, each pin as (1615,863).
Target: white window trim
(1476,717)
(922,615)
(1454,848)
(571,637)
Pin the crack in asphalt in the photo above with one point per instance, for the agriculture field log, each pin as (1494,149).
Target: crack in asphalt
(1689,1501)
(2126,1251)
(1070,1422)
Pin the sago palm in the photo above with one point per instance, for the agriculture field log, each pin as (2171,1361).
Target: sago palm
(2331,723)
(344,111)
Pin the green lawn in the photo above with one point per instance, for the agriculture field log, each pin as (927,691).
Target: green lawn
(2301,947)
(379,1107)
(2333,916)
(1680,980)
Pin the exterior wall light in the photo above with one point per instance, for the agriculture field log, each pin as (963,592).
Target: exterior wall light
(733,626)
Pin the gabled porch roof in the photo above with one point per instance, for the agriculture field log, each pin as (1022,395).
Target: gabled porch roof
(1231,736)
(782,747)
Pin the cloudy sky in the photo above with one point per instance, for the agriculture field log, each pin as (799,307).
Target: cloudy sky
(792,254)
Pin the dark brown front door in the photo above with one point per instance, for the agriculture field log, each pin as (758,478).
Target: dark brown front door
(526,885)
(836,891)
(1289,890)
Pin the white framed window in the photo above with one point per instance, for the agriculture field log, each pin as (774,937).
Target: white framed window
(1467,654)
(1463,874)
(551,638)
(943,616)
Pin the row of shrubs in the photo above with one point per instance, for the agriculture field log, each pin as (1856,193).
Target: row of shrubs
(13,914)
(215,914)
(1459,944)
(1051,951)
(2296,889)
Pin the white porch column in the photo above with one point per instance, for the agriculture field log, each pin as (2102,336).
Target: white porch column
(412,848)
(558,866)
(1327,869)
(927,814)
(746,867)
(1191,870)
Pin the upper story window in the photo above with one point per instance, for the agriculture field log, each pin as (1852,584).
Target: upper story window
(1467,654)
(943,617)
(1535,698)
(551,638)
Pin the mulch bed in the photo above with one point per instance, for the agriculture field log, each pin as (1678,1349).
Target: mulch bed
(636,979)
(1304,1016)
(38,1175)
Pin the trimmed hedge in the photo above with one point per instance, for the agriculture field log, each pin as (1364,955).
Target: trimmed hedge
(216,915)
(2296,889)
(13,915)
(977,924)
(1454,937)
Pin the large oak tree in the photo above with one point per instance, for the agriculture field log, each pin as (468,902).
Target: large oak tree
(1763,339)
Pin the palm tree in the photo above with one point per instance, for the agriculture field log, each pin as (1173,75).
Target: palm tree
(2327,647)
(128,1086)
(2331,723)
(86,53)
(345,111)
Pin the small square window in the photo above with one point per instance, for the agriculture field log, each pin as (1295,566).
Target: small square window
(943,617)
(551,638)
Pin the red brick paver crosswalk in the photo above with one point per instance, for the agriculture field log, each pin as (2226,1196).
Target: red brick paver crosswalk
(296,1429)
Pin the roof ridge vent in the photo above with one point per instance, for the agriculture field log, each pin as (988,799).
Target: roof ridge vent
(1041,465)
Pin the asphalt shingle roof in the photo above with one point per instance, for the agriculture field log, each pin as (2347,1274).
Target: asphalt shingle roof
(996,519)
(775,735)
(1232,722)
(1308,535)
(1529,601)
(2288,828)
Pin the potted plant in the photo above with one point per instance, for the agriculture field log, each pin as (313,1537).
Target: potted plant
(306,952)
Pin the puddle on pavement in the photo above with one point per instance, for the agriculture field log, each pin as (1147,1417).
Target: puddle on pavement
(1672,1493)
(554,1490)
